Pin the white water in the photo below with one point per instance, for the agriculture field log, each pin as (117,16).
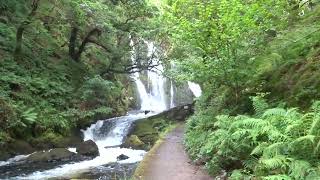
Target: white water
(171,95)
(107,155)
(195,88)
(14,159)
(153,99)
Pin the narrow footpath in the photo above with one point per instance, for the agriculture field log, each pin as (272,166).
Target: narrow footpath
(171,162)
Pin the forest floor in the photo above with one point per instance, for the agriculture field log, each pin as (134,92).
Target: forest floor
(169,161)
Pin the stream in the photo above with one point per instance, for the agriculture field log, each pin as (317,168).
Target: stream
(109,134)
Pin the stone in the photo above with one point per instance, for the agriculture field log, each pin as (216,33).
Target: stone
(88,148)
(20,147)
(122,157)
(58,154)
(133,142)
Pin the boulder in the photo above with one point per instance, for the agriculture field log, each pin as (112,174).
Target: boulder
(180,113)
(58,154)
(133,142)
(88,148)
(122,157)
(20,147)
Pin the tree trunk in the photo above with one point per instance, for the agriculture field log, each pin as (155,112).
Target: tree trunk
(76,55)
(19,36)
(72,42)
(22,27)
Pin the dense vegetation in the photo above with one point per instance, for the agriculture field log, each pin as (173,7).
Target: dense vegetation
(254,60)
(64,64)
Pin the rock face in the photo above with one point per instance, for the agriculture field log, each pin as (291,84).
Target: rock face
(88,148)
(133,142)
(15,148)
(180,113)
(122,157)
(145,132)
(58,154)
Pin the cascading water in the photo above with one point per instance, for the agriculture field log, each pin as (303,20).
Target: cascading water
(155,98)
(108,140)
(171,95)
(114,137)
(195,88)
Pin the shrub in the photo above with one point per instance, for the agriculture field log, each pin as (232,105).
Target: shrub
(276,144)
(98,91)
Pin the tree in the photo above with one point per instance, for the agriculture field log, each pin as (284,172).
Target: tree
(21,28)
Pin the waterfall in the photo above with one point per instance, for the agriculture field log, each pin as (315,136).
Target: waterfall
(120,127)
(195,88)
(110,133)
(171,95)
(154,99)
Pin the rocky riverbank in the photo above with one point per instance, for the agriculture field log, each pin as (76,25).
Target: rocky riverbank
(143,133)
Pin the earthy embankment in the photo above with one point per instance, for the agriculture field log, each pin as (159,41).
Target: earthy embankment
(169,161)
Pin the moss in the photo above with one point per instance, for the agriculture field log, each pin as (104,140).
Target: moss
(134,142)
(47,140)
(148,130)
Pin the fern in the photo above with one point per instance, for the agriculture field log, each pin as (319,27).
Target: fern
(278,177)
(303,139)
(29,117)
(258,150)
(274,149)
(274,112)
(274,162)
(299,169)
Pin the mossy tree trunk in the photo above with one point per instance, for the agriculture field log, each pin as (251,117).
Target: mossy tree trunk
(21,28)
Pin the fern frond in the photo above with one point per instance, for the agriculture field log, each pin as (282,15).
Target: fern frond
(258,150)
(277,177)
(302,139)
(239,134)
(315,126)
(299,169)
(316,149)
(249,123)
(251,162)
(273,149)
(273,163)
(274,112)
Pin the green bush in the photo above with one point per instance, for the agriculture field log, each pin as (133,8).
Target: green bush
(276,144)
(98,91)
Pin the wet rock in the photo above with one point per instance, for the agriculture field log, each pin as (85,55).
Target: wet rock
(13,148)
(21,147)
(88,148)
(4,155)
(58,154)
(179,113)
(50,140)
(122,157)
(108,172)
(133,142)
(147,111)
(112,146)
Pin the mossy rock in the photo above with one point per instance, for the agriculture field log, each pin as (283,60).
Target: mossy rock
(58,154)
(134,142)
(50,140)
(148,130)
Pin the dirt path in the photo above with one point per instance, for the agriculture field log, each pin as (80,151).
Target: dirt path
(170,161)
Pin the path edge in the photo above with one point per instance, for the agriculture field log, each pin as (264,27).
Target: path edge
(142,167)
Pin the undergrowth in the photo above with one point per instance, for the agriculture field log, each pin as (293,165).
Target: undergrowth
(274,143)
